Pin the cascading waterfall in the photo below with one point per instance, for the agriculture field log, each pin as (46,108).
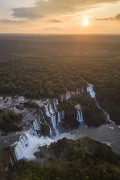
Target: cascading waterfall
(78,91)
(26,148)
(80,116)
(68,95)
(51,110)
(53,119)
(30,141)
(59,117)
(55,103)
(91,91)
(62,98)
(36,125)
(51,113)
(107,116)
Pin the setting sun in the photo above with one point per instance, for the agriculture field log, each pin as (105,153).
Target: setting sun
(85,22)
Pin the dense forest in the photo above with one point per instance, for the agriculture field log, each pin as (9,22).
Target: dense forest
(10,121)
(44,67)
(83,159)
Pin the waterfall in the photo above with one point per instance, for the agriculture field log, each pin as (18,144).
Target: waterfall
(78,91)
(62,98)
(36,125)
(107,116)
(91,91)
(47,111)
(33,142)
(79,113)
(68,95)
(51,110)
(81,119)
(55,103)
(79,116)
(53,119)
(50,113)
(29,142)
(59,117)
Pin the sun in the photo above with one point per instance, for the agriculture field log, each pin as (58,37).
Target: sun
(85,22)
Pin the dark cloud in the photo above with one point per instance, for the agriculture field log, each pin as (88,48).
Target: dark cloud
(8,21)
(117,17)
(49,7)
(54,21)
(105,19)
(27,13)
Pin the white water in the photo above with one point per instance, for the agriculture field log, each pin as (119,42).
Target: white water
(79,113)
(68,95)
(91,91)
(36,125)
(25,149)
(78,91)
(29,141)
(53,119)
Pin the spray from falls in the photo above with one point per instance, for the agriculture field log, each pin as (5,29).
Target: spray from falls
(26,148)
(30,140)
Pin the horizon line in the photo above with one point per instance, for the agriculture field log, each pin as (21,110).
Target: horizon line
(57,34)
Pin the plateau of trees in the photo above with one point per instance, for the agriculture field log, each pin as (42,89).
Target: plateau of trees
(47,66)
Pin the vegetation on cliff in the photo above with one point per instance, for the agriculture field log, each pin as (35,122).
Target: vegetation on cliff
(10,121)
(83,159)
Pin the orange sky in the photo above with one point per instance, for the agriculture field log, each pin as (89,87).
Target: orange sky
(60,16)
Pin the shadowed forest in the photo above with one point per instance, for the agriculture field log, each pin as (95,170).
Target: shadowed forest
(83,159)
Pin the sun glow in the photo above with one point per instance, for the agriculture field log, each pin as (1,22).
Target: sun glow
(85,22)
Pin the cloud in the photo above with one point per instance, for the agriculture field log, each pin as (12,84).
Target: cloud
(44,8)
(117,17)
(27,13)
(105,19)
(54,20)
(54,28)
(9,21)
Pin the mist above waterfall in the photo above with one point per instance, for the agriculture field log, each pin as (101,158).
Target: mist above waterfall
(55,114)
